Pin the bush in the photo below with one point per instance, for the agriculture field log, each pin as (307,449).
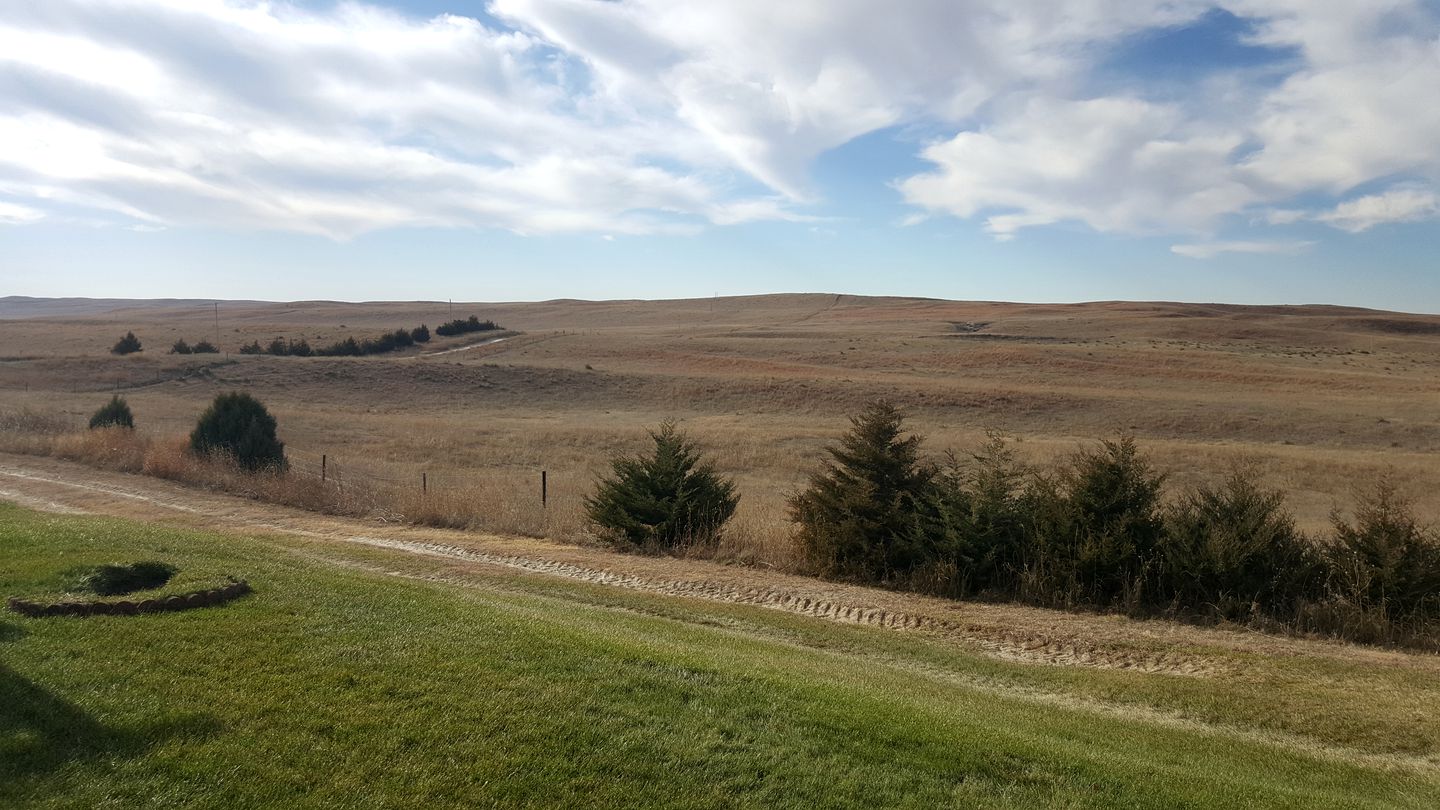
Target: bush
(344,348)
(181,347)
(204,347)
(460,327)
(1385,561)
(861,517)
(238,426)
(115,413)
(980,523)
(278,347)
(253,347)
(1096,530)
(664,501)
(300,348)
(126,345)
(420,334)
(114,580)
(1234,550)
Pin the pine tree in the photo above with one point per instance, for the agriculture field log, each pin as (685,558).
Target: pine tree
(859,517)
(237,425)
(115,413)
(126,345)
(665,500)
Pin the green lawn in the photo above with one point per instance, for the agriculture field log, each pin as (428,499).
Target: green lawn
(338,685)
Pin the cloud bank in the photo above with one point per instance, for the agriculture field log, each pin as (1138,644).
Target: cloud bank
(663,116)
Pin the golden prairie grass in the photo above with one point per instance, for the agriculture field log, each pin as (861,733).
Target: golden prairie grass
(1323,399)
(111,448)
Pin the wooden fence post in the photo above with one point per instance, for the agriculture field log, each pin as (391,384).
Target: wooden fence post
(544,488)
(322,467)
(424,484)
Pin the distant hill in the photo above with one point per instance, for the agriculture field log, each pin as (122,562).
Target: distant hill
(17,307)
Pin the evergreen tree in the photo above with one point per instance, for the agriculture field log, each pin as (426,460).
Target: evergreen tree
(860,518)
(664,500)
(126,345)
(237,425)
(115,413)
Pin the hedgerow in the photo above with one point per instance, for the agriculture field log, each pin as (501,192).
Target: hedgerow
(1097,532)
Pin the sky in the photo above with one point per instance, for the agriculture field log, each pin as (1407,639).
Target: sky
(1248,151)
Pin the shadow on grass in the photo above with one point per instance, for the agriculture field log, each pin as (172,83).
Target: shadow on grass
(10,632)
(41,731)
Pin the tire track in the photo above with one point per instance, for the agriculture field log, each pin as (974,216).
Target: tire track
(1022,647)
(1019,645)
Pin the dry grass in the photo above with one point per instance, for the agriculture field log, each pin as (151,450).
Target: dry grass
(1321,398)
(109,448)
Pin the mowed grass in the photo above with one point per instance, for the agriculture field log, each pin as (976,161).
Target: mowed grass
(339,683)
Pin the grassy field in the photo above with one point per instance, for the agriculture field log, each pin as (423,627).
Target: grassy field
(1322,397)
(363,678)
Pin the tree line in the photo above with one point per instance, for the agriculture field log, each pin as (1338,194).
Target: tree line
(349,347)
(1095,532)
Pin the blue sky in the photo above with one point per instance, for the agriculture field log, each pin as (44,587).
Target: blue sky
(1248,151)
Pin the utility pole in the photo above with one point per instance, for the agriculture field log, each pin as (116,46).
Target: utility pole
(217,324)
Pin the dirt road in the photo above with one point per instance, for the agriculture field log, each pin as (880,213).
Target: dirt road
(1011,632)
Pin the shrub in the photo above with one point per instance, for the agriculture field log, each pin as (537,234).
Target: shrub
(1385,561)
(861,515)
(278,347)
(181,347)
(238,426)
(980,522)
(300,348)
(204,347)
(420,334)
(113,580)
(115,413)
(126,345)
(665,500)
(1109,526)
(460,327)
(253,347)
(1233,549)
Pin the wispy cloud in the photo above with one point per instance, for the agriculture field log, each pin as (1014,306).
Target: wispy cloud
(1395,205)
(1209,250)
(661,116)
(15,214)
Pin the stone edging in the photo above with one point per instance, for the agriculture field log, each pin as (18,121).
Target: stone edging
(125,607)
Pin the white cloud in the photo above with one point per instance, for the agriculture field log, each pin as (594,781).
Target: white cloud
(248,115)
(1357,107)
(1396,205)
(1404,203)
(663,116)
(1115,164)
(1209,250)
(773,85)
(16,214)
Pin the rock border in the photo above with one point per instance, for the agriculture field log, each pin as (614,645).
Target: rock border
(127,607)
